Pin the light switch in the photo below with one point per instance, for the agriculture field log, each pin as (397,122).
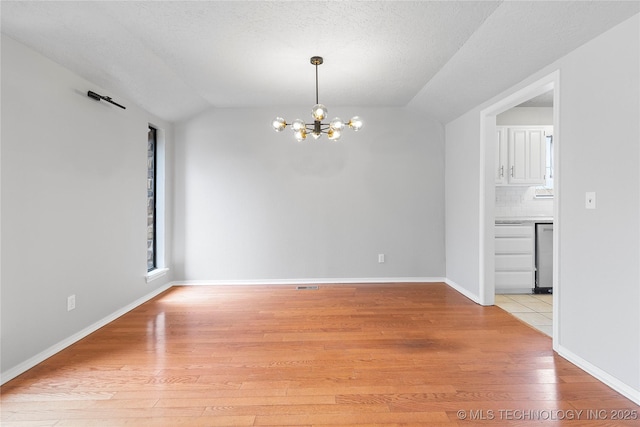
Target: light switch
(590,200)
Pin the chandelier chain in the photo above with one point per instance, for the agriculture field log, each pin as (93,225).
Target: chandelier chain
(317,83)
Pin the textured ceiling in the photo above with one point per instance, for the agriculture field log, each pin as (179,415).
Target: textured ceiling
(176,58)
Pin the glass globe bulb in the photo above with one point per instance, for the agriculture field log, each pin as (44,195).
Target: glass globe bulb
(319,112)
(300,135)
(298,125)
(355,123)
(334,134)
(336,124)
(279,124)
(316,135)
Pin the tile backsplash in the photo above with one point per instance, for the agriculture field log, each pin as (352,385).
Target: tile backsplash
(521,202)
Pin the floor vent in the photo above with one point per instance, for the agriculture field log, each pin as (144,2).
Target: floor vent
(307,288)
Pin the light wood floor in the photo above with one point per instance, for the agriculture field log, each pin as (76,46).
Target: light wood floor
(397,354)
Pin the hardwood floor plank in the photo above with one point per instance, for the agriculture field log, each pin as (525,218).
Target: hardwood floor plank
(344,355)
(29,395)
(290,410)
(221,421)
(91,413)
(248,401)
(352,418)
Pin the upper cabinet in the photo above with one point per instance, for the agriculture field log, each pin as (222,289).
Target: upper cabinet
(521,155)
(502,165)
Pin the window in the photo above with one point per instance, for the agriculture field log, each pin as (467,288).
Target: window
(156,144)
(151,201)
(546,190)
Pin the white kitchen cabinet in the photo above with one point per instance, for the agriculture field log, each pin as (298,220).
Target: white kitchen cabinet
(514,258)
(527,156)
(502,167)
(521,155)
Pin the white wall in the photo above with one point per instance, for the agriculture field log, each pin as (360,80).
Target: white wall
(462,169)
(73,204)
(599,277)
(600,249)
(256,205)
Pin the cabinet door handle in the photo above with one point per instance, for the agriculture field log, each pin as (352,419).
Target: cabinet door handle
(502,171)
(511,171)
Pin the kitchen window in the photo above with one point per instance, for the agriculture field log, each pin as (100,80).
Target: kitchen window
(546,190)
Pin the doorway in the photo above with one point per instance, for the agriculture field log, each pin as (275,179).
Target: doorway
(524,212)
(488,124)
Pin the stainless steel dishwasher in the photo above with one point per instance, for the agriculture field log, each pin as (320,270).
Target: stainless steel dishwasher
(544,259)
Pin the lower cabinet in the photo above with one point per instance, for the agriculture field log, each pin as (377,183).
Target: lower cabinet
(514,258)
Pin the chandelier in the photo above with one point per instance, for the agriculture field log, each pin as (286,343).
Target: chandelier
(333,129)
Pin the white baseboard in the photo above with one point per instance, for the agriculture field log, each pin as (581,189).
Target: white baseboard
(321,281)
(463,291)
(622,388)
(42,356)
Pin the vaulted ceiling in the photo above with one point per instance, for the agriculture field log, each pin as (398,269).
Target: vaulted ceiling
(177,58)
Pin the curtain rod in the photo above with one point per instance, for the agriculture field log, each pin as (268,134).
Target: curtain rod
(97,97)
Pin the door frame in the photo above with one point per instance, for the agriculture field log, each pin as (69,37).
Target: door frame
(487,190)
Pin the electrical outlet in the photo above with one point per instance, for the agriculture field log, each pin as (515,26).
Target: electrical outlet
(71,302)
(380,258)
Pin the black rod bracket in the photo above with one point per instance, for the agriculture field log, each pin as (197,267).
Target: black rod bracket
(98,97)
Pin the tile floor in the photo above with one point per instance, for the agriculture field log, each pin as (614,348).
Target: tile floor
(536,310)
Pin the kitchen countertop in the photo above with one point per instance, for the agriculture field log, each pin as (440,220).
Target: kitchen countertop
(514,219)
